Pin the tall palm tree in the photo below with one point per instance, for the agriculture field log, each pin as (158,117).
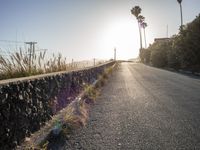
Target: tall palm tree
(144,25)
(180,1)
(136,12)
(141,21)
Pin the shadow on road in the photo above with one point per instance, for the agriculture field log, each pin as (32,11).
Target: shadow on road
(181,72)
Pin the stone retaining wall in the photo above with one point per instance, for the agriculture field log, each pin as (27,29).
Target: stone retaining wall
(27,103)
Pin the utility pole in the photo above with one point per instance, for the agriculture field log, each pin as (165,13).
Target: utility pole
(94,62)
(31,52)
(32,46)
(115,54)
(72,63)
(167,31)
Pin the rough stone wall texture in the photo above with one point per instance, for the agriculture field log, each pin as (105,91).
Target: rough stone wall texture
(25,105)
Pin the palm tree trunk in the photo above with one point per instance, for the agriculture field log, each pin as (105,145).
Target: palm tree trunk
(140,35)
(145,41)
(181,16)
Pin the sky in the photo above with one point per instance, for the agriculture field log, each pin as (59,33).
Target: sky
(87,29)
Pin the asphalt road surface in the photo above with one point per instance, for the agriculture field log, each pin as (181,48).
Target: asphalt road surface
(142,107)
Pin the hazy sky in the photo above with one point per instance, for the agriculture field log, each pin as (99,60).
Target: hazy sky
(85,29)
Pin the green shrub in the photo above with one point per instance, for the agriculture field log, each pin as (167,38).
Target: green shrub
(181,51)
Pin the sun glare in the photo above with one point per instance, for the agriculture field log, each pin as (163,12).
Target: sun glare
(122,35)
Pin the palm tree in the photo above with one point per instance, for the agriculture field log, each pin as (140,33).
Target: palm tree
(144,25)
(141,21)
(136,12)
(180,1)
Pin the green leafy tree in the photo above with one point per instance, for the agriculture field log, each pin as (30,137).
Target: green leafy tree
(145,55)
(181,51)
(159,54)
(188,47)
(172,54)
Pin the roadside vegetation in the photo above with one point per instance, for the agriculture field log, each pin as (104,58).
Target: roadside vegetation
(22,64)
(77,114)
(181,51)
(74,116)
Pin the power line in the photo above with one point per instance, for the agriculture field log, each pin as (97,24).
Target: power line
(9,41)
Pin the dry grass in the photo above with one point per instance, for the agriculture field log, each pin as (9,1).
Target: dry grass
(22,64)
(25,63)
(91,93)
(74,116)
(77,113)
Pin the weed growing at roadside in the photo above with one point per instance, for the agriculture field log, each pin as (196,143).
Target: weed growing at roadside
(76,114)
(90,94)
(25,63)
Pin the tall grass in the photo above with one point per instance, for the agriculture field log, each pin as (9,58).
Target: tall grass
(26,63)
(23,63)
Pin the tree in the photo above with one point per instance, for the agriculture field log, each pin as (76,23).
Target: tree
(159,54)
(180,1)
(144,25)
(145,55)
(136,12)
(181,51)
(140,21)
(173,58)
(188,47)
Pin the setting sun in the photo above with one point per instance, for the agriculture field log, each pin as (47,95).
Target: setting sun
(123,35)
(99,74)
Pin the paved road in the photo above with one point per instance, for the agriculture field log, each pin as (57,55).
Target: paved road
(143,108)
